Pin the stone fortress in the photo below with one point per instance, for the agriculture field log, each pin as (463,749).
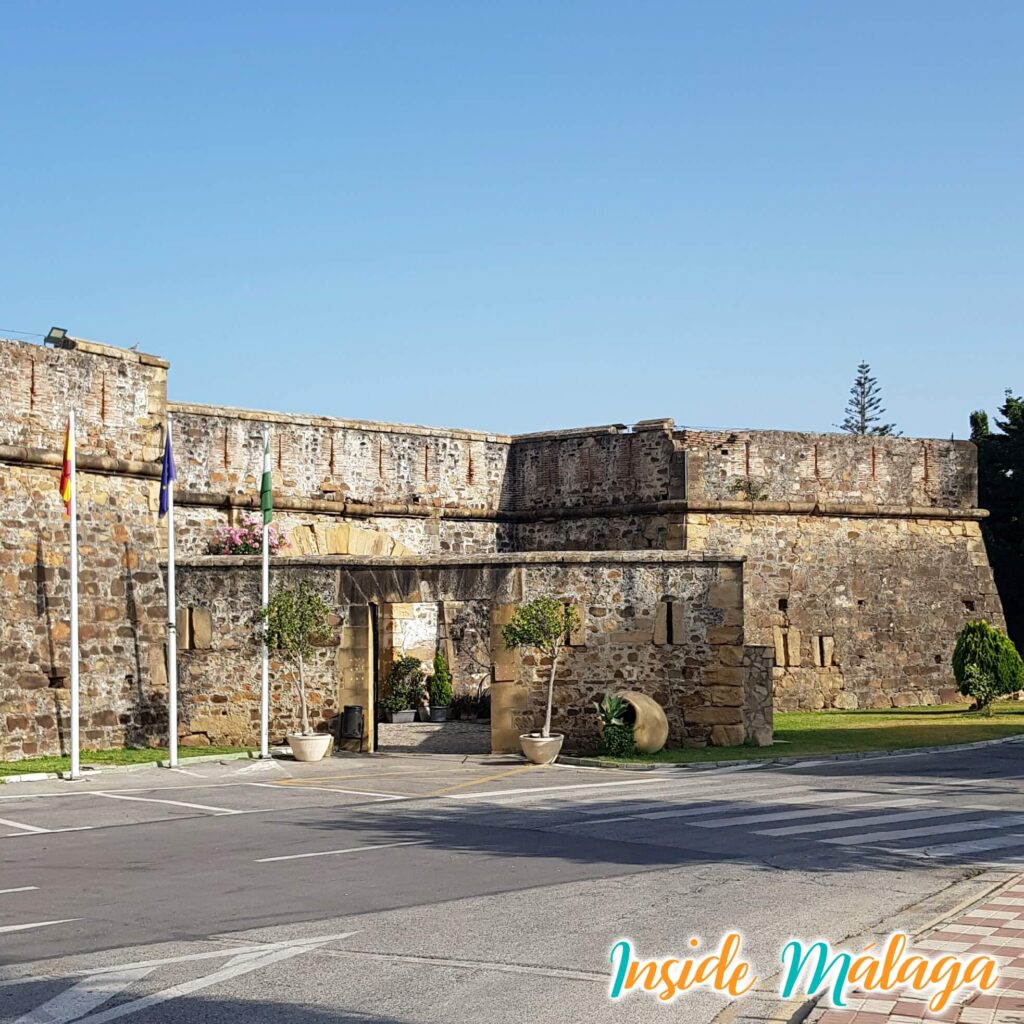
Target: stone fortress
(723,572)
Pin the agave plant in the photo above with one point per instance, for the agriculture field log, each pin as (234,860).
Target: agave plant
(612,711)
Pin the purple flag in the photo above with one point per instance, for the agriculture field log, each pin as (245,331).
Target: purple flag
(167,474)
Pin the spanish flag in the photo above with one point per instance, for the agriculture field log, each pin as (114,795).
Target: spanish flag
(65,476)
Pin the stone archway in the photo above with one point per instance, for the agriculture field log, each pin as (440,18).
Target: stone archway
(343,539)
(358,648)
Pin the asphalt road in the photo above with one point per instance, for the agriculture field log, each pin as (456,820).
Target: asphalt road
(394,890)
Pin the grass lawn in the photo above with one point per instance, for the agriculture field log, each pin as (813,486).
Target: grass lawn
(129,755)
(837,732)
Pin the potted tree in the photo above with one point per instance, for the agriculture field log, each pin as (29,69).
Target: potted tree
(291,624)
(440,689)
(402,689)
(542,625)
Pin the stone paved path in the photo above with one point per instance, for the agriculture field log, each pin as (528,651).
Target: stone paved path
(995,927)
(436,738)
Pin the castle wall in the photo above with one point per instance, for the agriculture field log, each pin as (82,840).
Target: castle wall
(770,465)
(600,466)
(872,543)
(686,652)
(862,611)
(119,400)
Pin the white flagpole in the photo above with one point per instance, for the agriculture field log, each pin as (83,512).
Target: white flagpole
(76,772)
(265,600)
(172,623)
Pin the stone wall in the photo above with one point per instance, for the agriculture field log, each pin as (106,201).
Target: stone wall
(665,624)
(121,613)
(344,460)
(864,554)
(770,465)
(598,466)
(862,612)
(119,399)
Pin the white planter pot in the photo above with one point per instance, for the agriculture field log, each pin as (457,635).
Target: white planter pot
(310,748)
(540,749)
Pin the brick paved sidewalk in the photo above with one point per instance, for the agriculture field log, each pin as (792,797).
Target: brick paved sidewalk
(995,927)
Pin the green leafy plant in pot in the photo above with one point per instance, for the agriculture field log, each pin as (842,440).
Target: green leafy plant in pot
(543,625)
(291,625)
(616,730)
(402,688)
(439,686)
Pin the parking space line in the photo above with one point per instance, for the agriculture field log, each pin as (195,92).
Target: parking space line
(21,888)
(350,849)
(22,826)
(36,924)
(175,803)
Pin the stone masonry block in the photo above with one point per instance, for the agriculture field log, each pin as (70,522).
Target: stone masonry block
(202,629)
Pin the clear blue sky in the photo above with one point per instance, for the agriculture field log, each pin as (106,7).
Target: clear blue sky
(517,215)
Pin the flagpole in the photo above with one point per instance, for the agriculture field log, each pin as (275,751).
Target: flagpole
(265,660)
(76,772)
(172,622)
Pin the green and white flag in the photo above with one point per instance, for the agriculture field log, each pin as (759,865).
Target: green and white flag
(267,484)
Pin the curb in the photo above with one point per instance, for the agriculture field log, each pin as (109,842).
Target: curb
(642,766)
(123,769)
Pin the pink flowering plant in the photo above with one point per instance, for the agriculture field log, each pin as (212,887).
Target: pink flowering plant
(247,539)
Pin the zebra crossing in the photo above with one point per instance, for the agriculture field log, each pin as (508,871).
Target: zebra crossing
(924,819)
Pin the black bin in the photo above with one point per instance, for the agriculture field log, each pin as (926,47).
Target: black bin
(352,722)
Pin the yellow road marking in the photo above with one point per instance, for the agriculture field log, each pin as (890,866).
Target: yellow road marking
(518,770)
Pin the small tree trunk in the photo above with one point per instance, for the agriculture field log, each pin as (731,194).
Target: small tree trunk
(551,691)
(304,713)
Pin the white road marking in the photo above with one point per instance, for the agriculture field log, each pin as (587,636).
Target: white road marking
(975,846)
(36,924)
(811,812)
(877,819)
(185,771)
(719,806)
(530,790)
(22,888)
(327,789)
(84,997)
(259,766)
(22,826)
(930,830)
(742,791)
(350,849)
(244,963)
(175,803)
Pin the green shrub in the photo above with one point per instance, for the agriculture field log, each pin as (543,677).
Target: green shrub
(617,740)
(616,731)
(986,664)
(403,685)
(440,685)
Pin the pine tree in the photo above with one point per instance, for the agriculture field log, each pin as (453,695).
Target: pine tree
(864,409)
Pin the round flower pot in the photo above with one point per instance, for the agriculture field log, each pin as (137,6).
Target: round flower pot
(438,713)
(310,748)
(541,749)
(650,726)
